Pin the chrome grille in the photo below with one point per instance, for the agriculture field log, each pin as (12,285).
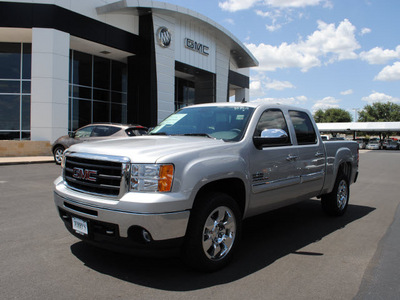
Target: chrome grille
(97,174)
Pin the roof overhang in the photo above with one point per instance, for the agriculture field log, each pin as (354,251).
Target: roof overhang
(239,52)
(359,126)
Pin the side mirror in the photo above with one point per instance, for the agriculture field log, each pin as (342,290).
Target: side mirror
(271,137)
(71,134)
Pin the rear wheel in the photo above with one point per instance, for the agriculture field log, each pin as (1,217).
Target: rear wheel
(213,232)
(336,202)
(58,154)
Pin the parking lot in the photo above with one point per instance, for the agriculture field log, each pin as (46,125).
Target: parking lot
(295,252)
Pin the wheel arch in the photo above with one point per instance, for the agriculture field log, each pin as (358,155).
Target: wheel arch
(234,187)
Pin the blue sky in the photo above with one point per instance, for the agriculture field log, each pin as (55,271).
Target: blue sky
(316,53)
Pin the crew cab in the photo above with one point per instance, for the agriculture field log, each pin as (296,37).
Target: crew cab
(192,181)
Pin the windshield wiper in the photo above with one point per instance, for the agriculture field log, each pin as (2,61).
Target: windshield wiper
(158,133)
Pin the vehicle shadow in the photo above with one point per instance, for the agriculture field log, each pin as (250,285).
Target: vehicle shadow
(266,238)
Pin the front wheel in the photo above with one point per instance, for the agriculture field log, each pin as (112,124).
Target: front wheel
(213,232)
(58,154)
(335,203)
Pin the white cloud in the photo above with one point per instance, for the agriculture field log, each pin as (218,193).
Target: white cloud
(326,103)
(365,31)
(389,73)
(327,42)
(302,98)
(293,3)
(347,92)
(379,97)
(378,55)
(235,5)
(229,21)
(279,85)
(273,27)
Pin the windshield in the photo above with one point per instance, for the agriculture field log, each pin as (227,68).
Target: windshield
(227,122)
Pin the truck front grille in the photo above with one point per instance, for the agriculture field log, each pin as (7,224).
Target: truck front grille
(95,174)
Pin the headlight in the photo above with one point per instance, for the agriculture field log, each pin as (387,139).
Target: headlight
(151,177)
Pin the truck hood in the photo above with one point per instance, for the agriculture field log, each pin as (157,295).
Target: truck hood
(149,149)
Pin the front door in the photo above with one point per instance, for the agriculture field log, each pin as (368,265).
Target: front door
(274,174)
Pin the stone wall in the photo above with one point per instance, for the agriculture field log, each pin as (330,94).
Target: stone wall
(24,148)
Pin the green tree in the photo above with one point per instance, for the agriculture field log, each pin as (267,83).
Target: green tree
(380,112)
(332,115)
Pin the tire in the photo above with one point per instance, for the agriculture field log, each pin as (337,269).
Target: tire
(336,202)
(58,153)
(213,232)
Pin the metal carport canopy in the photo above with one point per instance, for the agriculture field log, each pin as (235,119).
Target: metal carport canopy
(359,126)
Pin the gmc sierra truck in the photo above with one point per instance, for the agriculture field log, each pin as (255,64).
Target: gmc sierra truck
(191,182)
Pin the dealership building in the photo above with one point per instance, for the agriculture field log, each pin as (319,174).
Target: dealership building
(69,63)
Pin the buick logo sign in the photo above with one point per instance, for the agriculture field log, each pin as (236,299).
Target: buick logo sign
(164,37)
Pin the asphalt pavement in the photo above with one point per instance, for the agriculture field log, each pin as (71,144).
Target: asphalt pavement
(291,253)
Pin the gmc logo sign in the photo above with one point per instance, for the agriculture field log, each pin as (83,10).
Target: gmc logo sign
(84,174)
(195,46)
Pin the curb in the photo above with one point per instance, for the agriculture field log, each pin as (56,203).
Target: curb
(8,161)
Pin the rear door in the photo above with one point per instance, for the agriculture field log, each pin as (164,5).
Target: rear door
(311,152)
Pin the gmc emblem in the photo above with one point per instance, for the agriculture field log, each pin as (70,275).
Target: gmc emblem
(84,174)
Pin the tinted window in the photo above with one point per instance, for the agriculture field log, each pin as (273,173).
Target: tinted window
(303,127)
(136,131)
(84,132)
(10,60)
(105,130)
(271,119)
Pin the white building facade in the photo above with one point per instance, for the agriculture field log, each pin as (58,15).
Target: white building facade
(68,63)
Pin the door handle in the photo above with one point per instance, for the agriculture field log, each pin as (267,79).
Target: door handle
(319,154)
(291,157)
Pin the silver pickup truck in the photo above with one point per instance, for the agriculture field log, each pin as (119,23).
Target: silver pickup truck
(192,181)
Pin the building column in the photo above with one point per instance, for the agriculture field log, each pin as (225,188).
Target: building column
(49,92)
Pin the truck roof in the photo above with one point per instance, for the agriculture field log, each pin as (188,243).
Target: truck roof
(254,104)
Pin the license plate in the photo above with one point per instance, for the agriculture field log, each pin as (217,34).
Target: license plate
(80,226)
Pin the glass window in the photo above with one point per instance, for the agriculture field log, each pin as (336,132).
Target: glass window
(10,61)
(81,113)
(84,132)
(271,119)
(225,123)
(26,87)
(26,61)
(26,112)
(82,68)
(108,84)
(10,86)
(101,73)
(118,113)
(9,112)
(15,89)
(303,127)
(105,130)
(101,112)
(103,95)
(119,77)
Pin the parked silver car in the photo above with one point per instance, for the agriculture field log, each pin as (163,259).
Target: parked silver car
(392,145)
(361,143)
(373,145)
(94,132)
